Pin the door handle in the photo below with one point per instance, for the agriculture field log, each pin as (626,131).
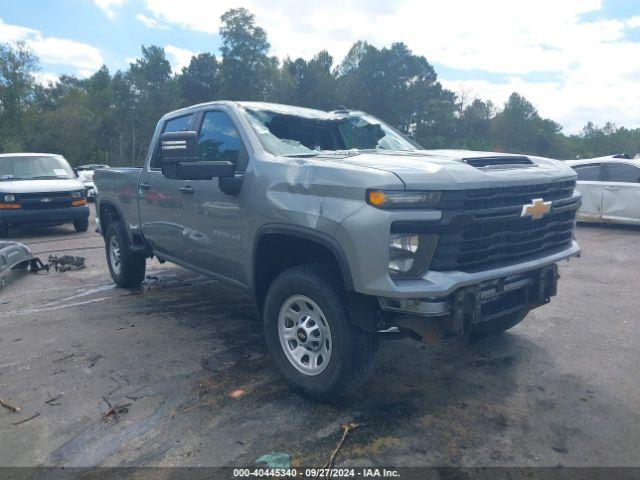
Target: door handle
(145,186)
(607,187)
(187,190)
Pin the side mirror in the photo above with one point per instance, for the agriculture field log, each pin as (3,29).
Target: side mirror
(181,159)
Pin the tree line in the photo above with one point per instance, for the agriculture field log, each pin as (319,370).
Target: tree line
(109,118)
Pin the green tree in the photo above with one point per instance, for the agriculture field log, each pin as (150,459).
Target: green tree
(17,67)
(399,87)
(247,72)
(153,92)
(519,128)
(200,81)
(474,126)
(313,83)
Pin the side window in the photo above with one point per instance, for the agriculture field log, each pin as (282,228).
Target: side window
(219,140)
(174,125)
(588,172)
(623,172)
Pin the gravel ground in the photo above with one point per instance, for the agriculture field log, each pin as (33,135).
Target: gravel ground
(186,353)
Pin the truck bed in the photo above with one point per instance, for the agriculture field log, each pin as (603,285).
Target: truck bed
(119,186)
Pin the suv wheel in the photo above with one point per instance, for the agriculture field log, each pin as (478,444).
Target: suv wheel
(81,225)
(126,268)
(498,325)
(317,349)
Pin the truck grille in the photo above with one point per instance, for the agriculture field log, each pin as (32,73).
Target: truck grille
(497,235)
(483,229)
(493,244)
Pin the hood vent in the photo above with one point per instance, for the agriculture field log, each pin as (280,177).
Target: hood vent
(500,161)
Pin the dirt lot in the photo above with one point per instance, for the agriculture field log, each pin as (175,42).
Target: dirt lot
(187,354)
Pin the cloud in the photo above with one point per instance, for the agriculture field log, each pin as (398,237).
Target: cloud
(44,78)
(61,51)
(634,22)
(151,22)
(109,6)
(590,61)
(178,57)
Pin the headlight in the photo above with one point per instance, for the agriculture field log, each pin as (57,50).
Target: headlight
(410,253)
(9,198)
(77,194)
(402,199)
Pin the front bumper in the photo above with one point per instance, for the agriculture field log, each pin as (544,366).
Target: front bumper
(482,302)
(54,216)
(442,284)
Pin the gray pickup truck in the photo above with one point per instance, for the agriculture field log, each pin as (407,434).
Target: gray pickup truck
(343,229)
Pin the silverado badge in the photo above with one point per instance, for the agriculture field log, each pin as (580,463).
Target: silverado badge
(536,209)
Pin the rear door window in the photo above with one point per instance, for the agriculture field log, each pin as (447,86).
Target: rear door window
(623,172)
(591,172)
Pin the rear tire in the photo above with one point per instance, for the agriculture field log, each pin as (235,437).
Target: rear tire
(4,231)
(499,325)
(81,225)
(126,268)
(320,353)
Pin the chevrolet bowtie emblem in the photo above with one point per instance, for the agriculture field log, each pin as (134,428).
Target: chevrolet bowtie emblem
(536,209)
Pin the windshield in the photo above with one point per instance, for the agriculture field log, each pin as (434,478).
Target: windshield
(282,133)
(34,168)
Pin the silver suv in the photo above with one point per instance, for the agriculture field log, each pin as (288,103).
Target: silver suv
(342,228)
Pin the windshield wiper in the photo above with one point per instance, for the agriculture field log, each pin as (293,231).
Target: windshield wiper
(45,177)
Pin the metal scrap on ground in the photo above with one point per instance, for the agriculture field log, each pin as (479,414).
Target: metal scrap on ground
(66,262)
(17,256)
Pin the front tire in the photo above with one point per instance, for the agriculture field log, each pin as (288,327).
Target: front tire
(81,225)
(320,353)
(126,268)
(499,325)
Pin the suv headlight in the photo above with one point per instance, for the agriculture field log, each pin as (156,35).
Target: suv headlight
(9,198)
(79,194)
(391,199)
(410,253)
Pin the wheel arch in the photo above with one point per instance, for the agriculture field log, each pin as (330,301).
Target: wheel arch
(109,212)
(301,245)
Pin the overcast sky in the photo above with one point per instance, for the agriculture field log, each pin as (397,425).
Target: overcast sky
(576,60)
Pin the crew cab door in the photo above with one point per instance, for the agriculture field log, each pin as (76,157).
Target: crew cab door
(214,216)
(621,193)
(162,206)
(590,185)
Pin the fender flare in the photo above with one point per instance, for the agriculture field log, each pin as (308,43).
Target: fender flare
(110,204)
(309,234)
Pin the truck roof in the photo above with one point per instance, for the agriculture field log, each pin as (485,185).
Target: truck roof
(28,154)
(275,107)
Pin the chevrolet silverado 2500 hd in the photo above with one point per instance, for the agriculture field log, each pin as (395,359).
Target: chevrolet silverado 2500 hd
(342,228)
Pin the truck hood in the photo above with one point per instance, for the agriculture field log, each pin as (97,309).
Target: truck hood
(40,186)
(454,170)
